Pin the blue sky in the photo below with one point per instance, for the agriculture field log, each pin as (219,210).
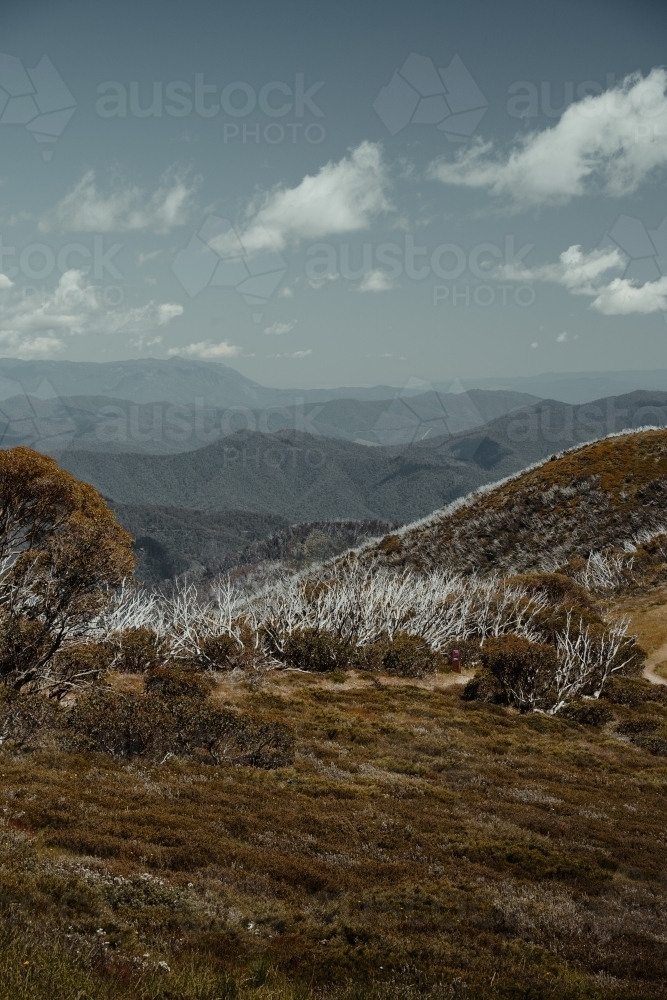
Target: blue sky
(336,194)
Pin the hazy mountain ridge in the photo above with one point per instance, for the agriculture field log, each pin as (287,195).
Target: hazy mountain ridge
(306,478)
(181,380)
(111,424)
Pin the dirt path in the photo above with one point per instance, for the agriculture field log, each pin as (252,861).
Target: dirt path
(655,658)
(648,621)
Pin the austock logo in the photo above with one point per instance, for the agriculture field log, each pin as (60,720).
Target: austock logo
(645,249)
(420,94)
(35,417)
(216,257)
(420,414)
(36,98)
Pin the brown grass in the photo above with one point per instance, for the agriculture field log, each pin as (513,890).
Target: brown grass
(600,495)
(419,845)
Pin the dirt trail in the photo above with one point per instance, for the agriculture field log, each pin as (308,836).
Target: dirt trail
(655,658)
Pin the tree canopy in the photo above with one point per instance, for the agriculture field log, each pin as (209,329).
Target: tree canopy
(61,548)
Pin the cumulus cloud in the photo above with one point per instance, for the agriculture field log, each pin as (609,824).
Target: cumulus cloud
(206,350)
(35,325)
(584,274)
(342,197)
(622,297)
(280,328)
(85,210)
(577,271)
(375,281)
(609,143)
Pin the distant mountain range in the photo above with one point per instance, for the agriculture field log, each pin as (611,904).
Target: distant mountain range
(177,381)
(182,380)
(577,387)
(102,423)
(306,478)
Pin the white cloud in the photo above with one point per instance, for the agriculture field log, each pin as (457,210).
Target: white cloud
(342,197)
(35,325)
(610,143)
(85,210)
(279,328)
(577,271)
(621,297)
(534,344)
(286,292)
(581,274)
(205,349)
(562,337)
(5,282)
(35,347)
(375,281)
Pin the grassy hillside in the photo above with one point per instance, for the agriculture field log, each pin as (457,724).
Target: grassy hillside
(603,494)
(418,846)
(292,795)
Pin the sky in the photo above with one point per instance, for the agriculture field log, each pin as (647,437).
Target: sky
(344,194)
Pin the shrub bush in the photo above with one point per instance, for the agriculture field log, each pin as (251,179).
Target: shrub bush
(167,722)
(81,663)
(177,682)
(469,651)
(404,655)
(633,691)
(588,713)
(137,650)
(24,718)
(559,588)
(60,549)
(316,650)
(227,652)
(217,652)
(524,669)
(485,687)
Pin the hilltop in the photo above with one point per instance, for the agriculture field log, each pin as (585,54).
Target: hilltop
(603,494)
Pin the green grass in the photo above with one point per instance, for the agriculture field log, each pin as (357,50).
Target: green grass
(418,846)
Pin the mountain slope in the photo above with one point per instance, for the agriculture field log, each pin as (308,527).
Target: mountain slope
(171,541)
(601,494)
(300,477)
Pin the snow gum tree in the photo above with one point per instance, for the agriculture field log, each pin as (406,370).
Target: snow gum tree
(61,549)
